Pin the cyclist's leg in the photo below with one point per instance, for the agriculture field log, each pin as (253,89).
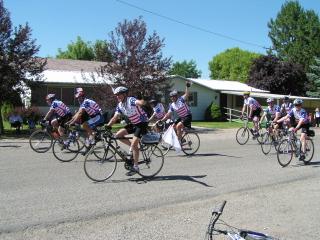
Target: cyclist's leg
(304,128)
(179,128)
(123,132)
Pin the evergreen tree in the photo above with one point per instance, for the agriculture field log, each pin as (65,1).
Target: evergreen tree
(314,78)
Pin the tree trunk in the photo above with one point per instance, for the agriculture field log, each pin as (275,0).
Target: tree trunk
(1,123)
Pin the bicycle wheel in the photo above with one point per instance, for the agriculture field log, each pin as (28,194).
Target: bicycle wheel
(150,161)
(260,135)
(65,153)
(100,169)
(266,143)
(242,135)
(190,143)
(40,141)
(165,147)
(285,152)
(309,151)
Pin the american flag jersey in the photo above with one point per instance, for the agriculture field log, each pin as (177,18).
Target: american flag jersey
(91,107)
(181,107)
(60,108)
(134,112)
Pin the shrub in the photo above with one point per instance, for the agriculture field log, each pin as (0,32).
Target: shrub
(213,113)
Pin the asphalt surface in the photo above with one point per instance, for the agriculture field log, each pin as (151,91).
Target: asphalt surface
(42,198)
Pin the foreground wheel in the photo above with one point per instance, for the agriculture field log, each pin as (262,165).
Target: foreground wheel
(102,167)
(65,153)
(190,143)
(40,141)
(242,135)
(309,151)
(285,153)
(150,161)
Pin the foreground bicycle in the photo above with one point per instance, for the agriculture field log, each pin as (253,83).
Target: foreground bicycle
(292,146)
(41,140)
(232,233)
(271,138)
(243,133)
(101,161)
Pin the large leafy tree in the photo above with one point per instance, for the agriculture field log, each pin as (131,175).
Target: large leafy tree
(137,62)
(233,64)
(272,74)
(81,50)
(185,69)
(314,78)
(19,67)
(295,34)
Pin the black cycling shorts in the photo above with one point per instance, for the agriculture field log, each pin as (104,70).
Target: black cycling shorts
(185,120)
(137,129)
(62,120)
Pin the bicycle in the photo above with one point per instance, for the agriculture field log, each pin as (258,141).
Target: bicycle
(101,166)
(231,232)
(190,140)
(292,146)
(68,149)
(41,140)
(271,138)
(243,133)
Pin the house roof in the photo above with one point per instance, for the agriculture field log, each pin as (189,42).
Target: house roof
(73,65)
(221,85)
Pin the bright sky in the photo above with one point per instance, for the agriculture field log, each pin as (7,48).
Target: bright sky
(56,23)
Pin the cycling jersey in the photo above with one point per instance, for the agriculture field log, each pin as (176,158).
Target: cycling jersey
(251,102)
(60,109)
(159,110)
(181,107)
(271,111)
(297,115)
(134,112)
(91,107)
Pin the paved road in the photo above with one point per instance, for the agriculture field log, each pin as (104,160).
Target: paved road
(42,198)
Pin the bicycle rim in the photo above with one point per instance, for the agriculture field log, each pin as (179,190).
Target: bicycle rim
(100,169)
(242,135)
(285,153)
(266,143)
(150,162)
(40,141)
(165,147)
(309,151)
(190,143)
(65,153)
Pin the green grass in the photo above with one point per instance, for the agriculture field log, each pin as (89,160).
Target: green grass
(220,125)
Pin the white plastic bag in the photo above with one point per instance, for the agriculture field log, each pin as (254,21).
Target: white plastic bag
(170,137)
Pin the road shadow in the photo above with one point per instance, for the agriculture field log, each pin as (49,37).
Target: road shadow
(209,155)
(302,164)
(10,146)
(141,180)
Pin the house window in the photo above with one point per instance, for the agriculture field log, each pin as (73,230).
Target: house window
(68,96)
(193,99)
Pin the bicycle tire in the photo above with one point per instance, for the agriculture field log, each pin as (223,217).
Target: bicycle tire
(309,151)
(266,143)
(242,135)
(190,143)
(65,153)
(285,152)
(97,169)
(260,134)
(150,161)
(40,141)
(165,147)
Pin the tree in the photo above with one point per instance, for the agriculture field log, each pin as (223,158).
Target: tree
(314,79)
(81,50)
(295,34)
(19,67)
(185,69)
(269,73)
(233,64)
(137,62)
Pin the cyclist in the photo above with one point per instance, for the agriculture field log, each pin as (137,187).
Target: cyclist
(158,112)
(299,120)
(180,106)
(59,111)
(286,108)
(271,113)
(132,108)
(92,110)
(254,108)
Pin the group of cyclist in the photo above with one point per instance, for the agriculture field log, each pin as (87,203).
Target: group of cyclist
(90,116)
(290,114)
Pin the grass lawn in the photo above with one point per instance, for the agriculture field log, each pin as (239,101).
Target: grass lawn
(221,125)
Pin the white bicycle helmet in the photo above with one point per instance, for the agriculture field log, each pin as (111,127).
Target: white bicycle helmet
(120,89)
(51,96)
(173,93)
(297,101)
(270,100)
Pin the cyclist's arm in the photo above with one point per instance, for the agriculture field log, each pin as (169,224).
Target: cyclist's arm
(49,114)
(301,121)
(186,93)
(243,109)
(140,102)
(77,116)
(283,118)
(152,117)
(278,115)
(114,119)
(263,116)
(250,112)
(167,116)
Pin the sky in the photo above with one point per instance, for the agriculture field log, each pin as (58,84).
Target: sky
(227,23)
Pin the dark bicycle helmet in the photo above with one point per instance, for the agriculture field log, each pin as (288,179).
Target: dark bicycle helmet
(154,101)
